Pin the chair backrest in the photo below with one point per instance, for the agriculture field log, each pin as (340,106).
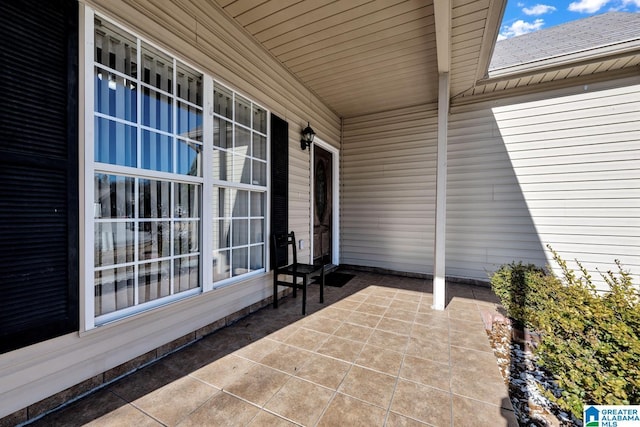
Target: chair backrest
(281,243)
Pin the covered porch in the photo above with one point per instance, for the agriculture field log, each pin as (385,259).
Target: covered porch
(440,170)
(374,354)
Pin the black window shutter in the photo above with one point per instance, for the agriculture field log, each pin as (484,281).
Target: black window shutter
(38,171)
(279,175)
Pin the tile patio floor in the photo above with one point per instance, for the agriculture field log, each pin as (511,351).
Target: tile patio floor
(375,354)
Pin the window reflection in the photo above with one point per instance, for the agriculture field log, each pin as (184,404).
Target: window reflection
(154,239)
(115,96)
(157,151)
(189,84)
(259,119)
(154,280)
(259,149)
(113,243)
(242,111)
(115,143)
(155,198)
(240,261)
(113,196)
(151,237)
(115,48)
(148,117)
(189,121)
(113,290)
(186,273)
(157,110)
(157,68)
(223,101)
(189,158)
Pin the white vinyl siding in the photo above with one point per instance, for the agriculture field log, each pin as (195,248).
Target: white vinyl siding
(388,190)
(558,168)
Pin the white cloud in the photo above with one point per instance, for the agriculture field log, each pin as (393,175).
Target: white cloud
(635,3)
(587,6)
(539,9)
(520,27)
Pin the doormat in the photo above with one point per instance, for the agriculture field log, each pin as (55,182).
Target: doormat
(335,279)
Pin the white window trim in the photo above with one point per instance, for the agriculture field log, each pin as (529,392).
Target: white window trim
(87,169)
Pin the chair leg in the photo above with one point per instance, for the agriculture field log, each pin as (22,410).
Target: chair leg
(275,290)
(304,296)
(322,286)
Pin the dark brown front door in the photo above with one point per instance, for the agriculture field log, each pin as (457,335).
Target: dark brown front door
(323,205)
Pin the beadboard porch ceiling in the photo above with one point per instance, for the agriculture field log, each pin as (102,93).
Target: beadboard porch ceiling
(367,56)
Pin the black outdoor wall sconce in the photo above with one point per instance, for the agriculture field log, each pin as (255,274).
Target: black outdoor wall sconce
(307,137)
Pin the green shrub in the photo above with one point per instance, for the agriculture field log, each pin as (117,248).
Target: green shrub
(590,341)
(518,286)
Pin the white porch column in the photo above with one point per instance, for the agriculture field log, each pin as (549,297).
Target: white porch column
(442,12)
(441,194)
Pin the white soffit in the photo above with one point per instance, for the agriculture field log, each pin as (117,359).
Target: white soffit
(367,56)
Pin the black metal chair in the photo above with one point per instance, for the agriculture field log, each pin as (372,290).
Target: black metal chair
(295,270)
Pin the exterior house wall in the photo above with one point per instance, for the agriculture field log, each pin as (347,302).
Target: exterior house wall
(551,167)
(556,168)
(388,190)
(202,36)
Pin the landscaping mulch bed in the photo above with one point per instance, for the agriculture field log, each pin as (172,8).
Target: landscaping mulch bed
(526,380)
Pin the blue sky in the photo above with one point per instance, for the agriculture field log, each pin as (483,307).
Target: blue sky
(525,16)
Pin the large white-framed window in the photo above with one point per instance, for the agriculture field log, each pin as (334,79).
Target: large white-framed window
(175,177)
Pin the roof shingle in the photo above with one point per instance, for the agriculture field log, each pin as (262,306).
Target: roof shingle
(576,36)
